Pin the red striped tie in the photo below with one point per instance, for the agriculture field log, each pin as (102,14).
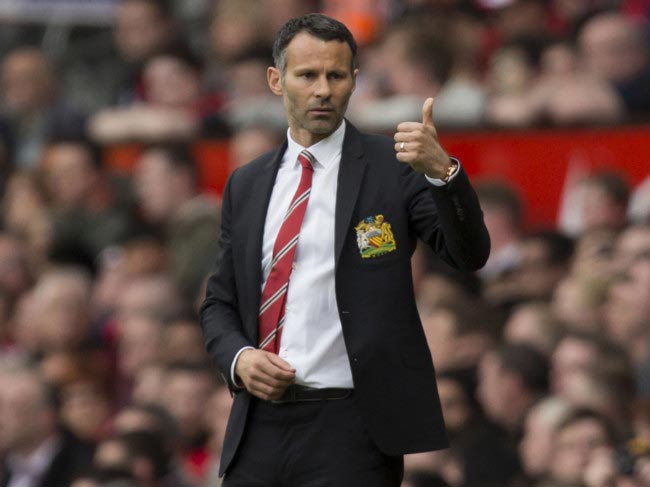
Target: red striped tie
(274,295)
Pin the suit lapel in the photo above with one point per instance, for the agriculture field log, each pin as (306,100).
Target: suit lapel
(260,195)
(351,171)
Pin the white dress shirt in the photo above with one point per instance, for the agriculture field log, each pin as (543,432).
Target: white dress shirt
(28,471)
(312,337)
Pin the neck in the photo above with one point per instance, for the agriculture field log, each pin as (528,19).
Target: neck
(306,138)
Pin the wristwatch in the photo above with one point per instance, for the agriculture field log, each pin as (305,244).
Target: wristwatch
(451,170)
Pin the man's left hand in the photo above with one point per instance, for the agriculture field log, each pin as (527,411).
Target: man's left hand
(417,144)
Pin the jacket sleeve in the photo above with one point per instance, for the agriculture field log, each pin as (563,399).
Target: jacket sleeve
(448,218)
(220,315)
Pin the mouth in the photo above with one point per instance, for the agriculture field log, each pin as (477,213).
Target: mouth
(321,111)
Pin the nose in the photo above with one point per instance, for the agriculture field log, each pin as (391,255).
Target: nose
(323,89)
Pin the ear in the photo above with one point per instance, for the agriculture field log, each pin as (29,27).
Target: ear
(355,73)
(274,79)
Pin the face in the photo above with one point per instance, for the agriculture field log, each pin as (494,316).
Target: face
(22,412)
(139,344)
(535,448)
(455,406)
(573,448)
(185,396)
(154,184)
(632,245)
(62,304)
(26,84)
(491,390)
(139,30)
(13,273)
(171,83)
(440,331)
(316,86)
(571,356)
(69,174)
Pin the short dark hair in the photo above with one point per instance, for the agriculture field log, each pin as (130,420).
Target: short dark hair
(318,25)
(426,46)
(530,364)
(179,155)
(613,184)
(93,150)
(559,246)
(504,195)
(583,414)
(150,445)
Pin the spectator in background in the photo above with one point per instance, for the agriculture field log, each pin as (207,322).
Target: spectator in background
(236,27)
(14,275)
(533,323)
(61,309)
(173,105)
(575,440)
(536,446)
(543,261)
(606,195)
(148,295)
(147,417)
(632,246)
(458,333)
(37,452)
(182,340)
(575,352)
(578,299)
(217,414)
(26,216)
(504,215)
(90,210)
(166,185)
(417,61)
(107,75)
(511,379)
(32,106)
(136,455)
(86,405)
(250,142)
(480,453)
(627,311)
(187,389)
(614,48)
(250,104)
(139,345)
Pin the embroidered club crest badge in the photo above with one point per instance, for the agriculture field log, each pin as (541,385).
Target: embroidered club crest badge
(374,237)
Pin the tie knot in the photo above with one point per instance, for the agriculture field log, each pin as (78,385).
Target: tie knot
(306,160)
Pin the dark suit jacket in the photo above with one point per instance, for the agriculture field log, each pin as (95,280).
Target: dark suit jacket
(391,364)
(74,458)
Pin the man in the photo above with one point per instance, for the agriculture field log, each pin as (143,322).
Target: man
(37,452)
(342,384)
(166,187)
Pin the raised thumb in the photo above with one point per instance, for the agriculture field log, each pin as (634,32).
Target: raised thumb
(427,112)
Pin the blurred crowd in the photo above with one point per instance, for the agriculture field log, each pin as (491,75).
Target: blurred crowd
(543,357)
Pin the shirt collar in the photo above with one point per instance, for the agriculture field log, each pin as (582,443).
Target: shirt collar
(324,151)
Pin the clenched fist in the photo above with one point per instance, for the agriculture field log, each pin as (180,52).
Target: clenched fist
(264,374)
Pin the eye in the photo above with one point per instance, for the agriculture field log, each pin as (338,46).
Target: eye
(307,75)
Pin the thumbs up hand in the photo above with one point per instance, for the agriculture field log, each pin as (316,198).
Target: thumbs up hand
(417,144)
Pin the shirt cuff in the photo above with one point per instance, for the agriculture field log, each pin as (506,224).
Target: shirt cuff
(233,378)
(440,182)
